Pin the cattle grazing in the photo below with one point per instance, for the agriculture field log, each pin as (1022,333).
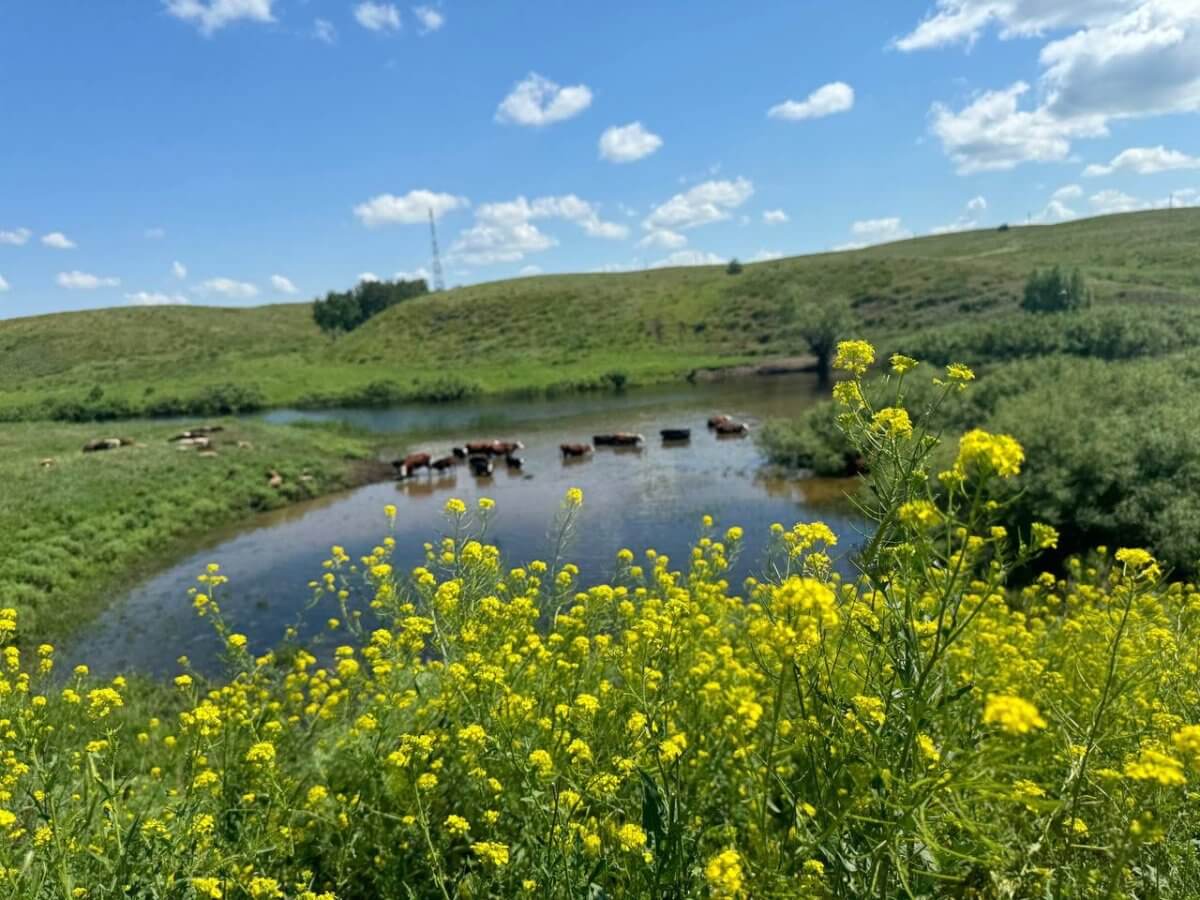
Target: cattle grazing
(618,439)
(407,466)
(574,451)
(459,452)
(718,421)
(730,428)
(513,462)
(481,465)
(506,448)
(477,448)
(676,434)
(98,444)
(443,463)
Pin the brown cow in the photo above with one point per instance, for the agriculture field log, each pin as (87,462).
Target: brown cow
(506,448)
(575,450)
(730,427)
(407,466)
(618,439)
(444,463)
(718,421)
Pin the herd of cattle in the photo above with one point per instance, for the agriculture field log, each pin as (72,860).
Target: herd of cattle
(482,456)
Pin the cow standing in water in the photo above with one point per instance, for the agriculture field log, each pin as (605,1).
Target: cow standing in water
(575,451)
(407,466)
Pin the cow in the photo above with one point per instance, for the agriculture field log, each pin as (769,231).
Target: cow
(444,463)
(574,451)
(729,428)
(98,444)
(459,453)
(513,462)
(481,465)
(506,448)
(407,466)
(618,439)
(718,421)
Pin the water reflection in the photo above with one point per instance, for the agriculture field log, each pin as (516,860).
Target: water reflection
(654,496)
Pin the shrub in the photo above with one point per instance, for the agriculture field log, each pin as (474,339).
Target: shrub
(1052,291)
(734,267)
(918,729)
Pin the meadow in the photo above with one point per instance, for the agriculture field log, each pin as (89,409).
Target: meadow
(80,526)
(565,333)
(925,728)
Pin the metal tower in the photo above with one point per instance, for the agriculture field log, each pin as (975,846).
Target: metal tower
(439,282)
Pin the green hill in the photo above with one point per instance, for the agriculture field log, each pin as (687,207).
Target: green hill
(563,332)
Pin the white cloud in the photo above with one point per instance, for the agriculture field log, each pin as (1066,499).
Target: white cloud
(1145,161)
(766,256)
(429,18)
(1114,201)
(179,270)
(16,237)
(216,14)
(963,21)
(227,287)
(1055,211)
(154,298)
(3,285)
(377,16)
(977,204)
(504,232)
(324,31)
(365,277)
(628,143)
(416,275)
(775,217)
(1067,192)
(711,201)
(836,97)
(539,101)
(880,231)
(84,281)
(688,258)
(411,209)
(992,133)
(664,238)
(58,241)
(530,270)
(155,234)
(283,284)
(1129,59)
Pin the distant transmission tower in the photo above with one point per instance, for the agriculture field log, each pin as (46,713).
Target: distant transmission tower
(439,282)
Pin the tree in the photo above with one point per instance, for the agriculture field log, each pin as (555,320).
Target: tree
(344,311)
(1051,291)
(823,324)
(734,267)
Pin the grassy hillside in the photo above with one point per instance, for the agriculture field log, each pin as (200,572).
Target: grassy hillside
(568,331)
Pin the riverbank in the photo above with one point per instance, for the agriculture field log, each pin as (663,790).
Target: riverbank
(81,527)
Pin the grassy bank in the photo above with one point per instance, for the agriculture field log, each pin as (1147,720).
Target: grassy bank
(79,528)
(562,333)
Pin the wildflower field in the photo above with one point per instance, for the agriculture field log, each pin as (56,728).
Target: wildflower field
(928,727)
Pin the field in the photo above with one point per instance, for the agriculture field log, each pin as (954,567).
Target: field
(566,332)
(82,526)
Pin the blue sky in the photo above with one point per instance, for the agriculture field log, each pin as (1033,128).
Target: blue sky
(250,151)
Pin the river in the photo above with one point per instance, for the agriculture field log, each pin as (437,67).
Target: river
(654,497)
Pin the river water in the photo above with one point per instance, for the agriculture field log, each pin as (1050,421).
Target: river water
(654,497)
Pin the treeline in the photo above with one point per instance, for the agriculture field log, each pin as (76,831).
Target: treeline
(344,311)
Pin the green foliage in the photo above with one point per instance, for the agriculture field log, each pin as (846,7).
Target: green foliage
(1051,291)
(1111,333)
(823,323)
(734,267)
(342,312)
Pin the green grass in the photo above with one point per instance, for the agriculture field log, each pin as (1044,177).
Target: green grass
(77,531)
(566,332)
